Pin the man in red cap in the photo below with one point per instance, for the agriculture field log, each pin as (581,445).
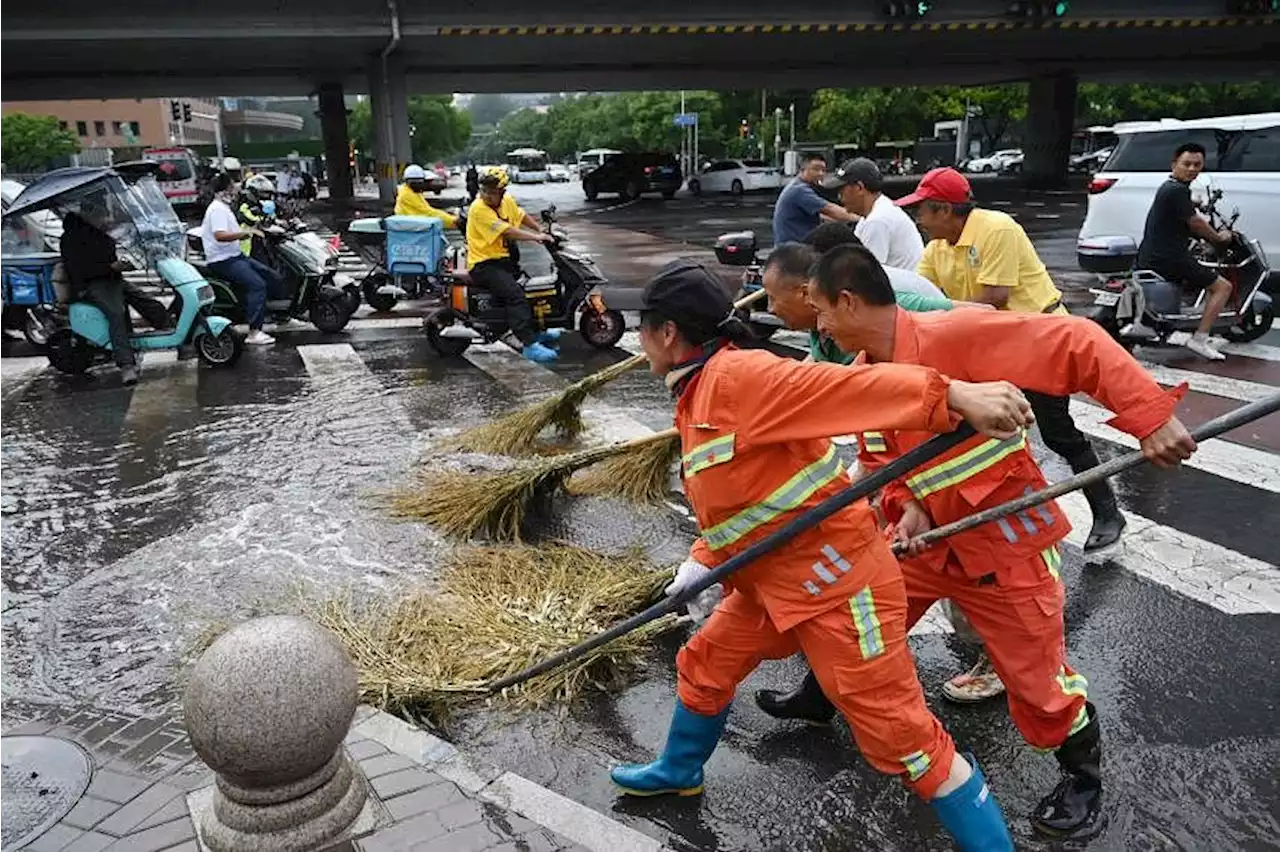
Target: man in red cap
(979,255)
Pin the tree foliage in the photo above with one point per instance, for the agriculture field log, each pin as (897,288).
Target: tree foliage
(32,142)
(437,128)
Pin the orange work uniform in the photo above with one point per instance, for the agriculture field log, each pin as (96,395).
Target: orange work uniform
(752,429)
(1004,575)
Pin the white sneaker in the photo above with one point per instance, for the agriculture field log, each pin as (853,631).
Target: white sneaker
(1201,347)
(1218,342)
(258,337)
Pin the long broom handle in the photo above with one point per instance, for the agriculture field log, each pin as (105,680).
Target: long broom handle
(1213,428)
(900,466)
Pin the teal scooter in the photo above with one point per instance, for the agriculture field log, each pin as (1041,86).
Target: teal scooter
(130,206)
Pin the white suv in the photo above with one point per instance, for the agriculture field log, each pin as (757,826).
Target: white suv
(1243,161)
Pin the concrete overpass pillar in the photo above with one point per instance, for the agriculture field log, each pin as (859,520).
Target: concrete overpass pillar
(1051,113)
(333,129)
(389,108)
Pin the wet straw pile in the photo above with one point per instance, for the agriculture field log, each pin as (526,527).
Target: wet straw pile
(519,433)
(493,612)
(640,476)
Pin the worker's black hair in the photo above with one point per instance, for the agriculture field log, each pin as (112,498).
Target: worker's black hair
(853,268)
(794,260)
(730,327)
(222,182)
(1189,148)
(828,235)
(809,156)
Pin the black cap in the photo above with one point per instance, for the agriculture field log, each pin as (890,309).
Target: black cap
(858,170)
(691,296)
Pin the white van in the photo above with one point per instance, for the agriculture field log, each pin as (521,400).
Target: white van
(1243,160)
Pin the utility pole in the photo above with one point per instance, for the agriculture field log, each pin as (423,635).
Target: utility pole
(777,136)
(764,106)
(216,118)
(793,125)
(684,140)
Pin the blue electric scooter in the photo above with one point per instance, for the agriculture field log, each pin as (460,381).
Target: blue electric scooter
(128,204)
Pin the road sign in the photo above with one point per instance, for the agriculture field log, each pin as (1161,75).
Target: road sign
(686,119)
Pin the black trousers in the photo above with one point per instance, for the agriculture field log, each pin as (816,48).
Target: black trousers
(498,277)
(1059,431)
(114,296)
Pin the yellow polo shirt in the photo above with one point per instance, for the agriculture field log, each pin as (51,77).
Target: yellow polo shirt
(485,229)
(410,203)
(993,251)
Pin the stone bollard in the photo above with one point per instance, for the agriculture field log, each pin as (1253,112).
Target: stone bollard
(268,706)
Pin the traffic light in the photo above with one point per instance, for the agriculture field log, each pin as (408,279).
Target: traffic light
(175,110)
(907,8)
(1253,7)
(186,112)
(1036,9)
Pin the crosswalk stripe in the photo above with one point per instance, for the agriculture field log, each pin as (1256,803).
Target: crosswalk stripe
(1261,351)
(1223,386)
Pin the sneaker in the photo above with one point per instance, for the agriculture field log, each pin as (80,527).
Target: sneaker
(1200,346)
(1218,342)
(978,684)
(129,375)
(258,337)
(540,354)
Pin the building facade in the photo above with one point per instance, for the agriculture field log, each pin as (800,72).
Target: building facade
(129,122)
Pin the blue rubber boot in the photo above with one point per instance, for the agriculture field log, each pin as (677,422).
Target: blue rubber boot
(678,770)
(973,816)
(540,354)
(549,337)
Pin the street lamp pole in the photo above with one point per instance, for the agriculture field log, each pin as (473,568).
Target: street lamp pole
(793,125)
(764,94)
(777,136)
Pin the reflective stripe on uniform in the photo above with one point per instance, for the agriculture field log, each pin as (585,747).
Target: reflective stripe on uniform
(873,442)
(1072,684)
(703,456)
(917,764)
(786,497)
(1081,722)
(963,466)
(870,640)
(1052,560)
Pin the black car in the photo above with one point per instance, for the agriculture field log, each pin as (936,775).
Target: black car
(631,175)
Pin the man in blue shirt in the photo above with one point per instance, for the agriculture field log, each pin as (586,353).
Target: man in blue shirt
(800,207)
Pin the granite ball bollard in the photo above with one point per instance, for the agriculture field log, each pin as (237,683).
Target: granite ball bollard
(267,708)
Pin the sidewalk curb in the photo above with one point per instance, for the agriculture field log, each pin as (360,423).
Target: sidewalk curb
(579,823)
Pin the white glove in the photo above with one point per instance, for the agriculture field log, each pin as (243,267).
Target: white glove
(687,574)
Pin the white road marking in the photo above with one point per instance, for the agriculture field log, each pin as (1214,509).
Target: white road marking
(1048,216)
(164,383)
(1260,351)
(1236,462)
(1223,386)
(17,373)
(1035,203)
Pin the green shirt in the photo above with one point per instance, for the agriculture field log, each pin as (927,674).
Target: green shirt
(824,349)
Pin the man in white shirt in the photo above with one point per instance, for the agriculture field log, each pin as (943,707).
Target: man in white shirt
(220,233)
(883,227)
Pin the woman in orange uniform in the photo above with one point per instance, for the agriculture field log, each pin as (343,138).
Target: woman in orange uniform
(753,431)
(1003,575)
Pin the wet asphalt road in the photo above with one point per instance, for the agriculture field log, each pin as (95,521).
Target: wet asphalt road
(132,518)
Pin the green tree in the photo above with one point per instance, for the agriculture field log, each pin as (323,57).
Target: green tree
(438,128)
(32,142)
(489,109)
(1106,104)
(866,116)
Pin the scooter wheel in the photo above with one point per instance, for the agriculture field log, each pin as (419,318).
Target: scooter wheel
(68,354)
(352,294)
(602,330)
(446,347)
(220,350)
(382,302)
(330,315)
(1252,325)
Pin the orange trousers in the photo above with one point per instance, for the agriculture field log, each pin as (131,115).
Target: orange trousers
(859,652)
(1020,623)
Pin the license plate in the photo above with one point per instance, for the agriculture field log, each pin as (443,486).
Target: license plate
(1106,299)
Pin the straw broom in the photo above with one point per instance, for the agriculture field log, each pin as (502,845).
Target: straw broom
(493,611)
(517,433)
(463,504)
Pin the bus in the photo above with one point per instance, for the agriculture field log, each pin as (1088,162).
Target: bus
(527,165)
(177,175)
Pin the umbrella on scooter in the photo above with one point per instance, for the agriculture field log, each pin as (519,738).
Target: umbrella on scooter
(898,467)
(517,433)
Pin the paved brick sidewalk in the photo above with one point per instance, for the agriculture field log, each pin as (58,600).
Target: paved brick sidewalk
(429,796)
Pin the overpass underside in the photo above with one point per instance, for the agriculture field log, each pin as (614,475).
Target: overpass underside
(156,48)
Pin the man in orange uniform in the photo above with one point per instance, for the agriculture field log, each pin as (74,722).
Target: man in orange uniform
(752,428)
(1003,575)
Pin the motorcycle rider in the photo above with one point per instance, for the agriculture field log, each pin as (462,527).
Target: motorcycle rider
(494,222)
(89,256)
(473,182)
(1171,223)
(411,202)
(256,192)
(221,236)
(986,256)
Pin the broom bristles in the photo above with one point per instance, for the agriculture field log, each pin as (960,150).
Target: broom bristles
(518,433)
(642,475)
(492,612)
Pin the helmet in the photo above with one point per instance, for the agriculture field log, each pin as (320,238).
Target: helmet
(415,172)
(260,187)
(495,176)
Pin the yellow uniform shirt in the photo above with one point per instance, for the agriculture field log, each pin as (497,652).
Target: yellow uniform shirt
(410,203)
(486,227)
(993,251)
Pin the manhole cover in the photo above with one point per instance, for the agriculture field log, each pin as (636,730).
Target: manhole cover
(41,778)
